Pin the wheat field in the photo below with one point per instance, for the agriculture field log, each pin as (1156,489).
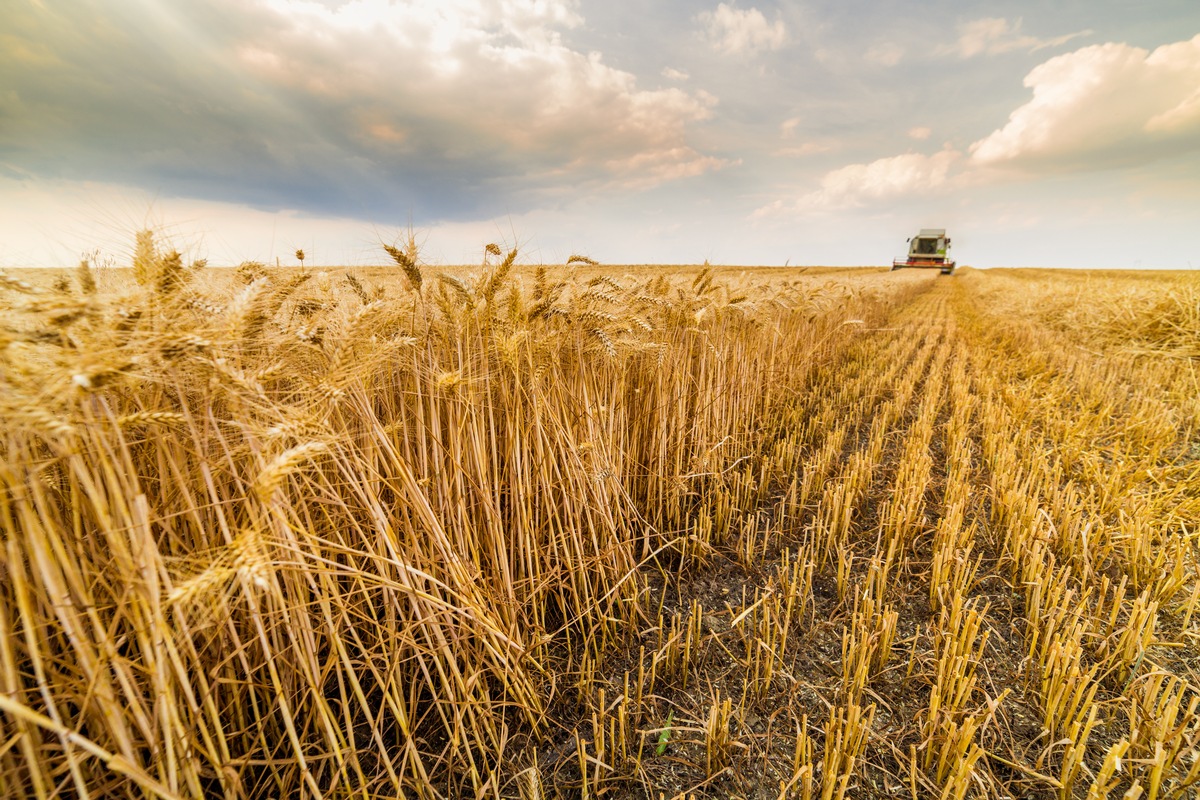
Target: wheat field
(585,531)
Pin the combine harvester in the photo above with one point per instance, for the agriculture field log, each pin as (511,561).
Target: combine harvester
(928,250)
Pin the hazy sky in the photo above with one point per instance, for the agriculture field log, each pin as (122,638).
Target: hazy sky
(656,131)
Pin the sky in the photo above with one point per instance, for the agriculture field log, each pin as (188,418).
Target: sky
(660,131)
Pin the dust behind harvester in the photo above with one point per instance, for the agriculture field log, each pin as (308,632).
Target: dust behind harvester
(929,249)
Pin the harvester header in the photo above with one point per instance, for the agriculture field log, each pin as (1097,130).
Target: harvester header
(929,249)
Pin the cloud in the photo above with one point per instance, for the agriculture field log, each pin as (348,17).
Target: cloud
(858,185)
(735,31)
(672,74)
(804,150)
(995,35)
(1101,106)
(883,179)
(1186,115)
(886,54)
(362,107)
(646,170)
(788,133)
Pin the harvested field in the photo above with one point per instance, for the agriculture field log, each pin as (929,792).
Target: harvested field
(599,532)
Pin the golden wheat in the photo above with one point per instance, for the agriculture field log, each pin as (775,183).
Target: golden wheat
(558,531)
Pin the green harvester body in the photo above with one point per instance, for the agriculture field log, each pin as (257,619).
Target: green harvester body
(929,249)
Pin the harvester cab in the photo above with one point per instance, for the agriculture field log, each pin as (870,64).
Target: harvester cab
(929,249)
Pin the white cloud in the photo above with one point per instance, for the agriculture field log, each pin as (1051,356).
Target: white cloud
(1184,115)
(857,185)
(476,78)
(886,54)
(381,108)
(1100,106)
(805,150)
(734,30)
(672,74)
(438,27)
(884,178)
(995,35)
(1103,105)
(811,147)
(645,170)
